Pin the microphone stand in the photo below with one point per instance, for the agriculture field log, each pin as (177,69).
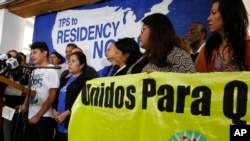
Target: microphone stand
(28,69)
(32,66)
(26,113)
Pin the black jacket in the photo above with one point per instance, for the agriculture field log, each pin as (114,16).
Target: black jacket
(73,89)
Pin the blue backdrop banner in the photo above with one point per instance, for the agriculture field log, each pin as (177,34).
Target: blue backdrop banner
(94,27)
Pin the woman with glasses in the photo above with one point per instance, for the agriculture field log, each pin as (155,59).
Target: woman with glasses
(162,46)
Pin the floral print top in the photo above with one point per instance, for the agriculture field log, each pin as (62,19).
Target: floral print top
(230,66)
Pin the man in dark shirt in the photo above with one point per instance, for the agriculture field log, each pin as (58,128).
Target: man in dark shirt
(196,36)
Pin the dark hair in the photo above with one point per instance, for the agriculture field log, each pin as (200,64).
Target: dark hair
(82,59)
(23,55)
(235,20)
(72,45)
(18,58)
(202,28)
(79,49)
(59,56)
(129,45)
(162,38)
(42,46)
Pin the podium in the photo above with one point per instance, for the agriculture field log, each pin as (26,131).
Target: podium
(5,81)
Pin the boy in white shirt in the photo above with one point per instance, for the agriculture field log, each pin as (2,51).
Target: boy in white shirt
(40,125)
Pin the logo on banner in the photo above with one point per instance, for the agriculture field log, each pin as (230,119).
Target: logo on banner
(188,135)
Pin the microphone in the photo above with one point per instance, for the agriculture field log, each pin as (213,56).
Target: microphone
(12,63)
(4,61)
(4,57)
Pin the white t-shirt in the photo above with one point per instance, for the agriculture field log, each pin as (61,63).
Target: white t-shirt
(43,79)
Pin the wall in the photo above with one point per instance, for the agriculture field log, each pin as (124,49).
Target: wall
(28,34)
(1,26)
(11,31)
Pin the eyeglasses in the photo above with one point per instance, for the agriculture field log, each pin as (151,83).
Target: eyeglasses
(143,29)
(191,32)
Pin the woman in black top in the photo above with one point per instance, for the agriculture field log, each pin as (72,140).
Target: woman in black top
(68,91)
(127,52)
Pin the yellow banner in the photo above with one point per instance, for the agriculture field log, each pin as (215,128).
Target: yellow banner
(161,107)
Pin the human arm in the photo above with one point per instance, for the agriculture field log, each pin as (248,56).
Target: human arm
(22,108)
(44,108)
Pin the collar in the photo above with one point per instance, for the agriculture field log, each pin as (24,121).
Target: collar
(198,51)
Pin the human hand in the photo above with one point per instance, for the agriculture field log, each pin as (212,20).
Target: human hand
(34,120)
(20,109)
(150,70)
(60,118)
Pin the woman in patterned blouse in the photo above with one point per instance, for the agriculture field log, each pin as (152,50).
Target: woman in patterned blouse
(162,48)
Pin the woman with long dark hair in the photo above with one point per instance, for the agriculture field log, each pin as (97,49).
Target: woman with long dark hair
(127,52)
(228,47)
(163,51)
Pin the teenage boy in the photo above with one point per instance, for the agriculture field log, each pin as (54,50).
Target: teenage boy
(40,124)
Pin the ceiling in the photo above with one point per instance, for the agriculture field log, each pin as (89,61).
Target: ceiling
(30,8)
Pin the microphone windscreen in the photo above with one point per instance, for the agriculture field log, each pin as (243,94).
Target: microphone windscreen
(12,63)
(4,57)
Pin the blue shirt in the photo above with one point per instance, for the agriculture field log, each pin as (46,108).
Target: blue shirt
(62,102)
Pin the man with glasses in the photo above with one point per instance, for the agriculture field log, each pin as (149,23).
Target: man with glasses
(196,36)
